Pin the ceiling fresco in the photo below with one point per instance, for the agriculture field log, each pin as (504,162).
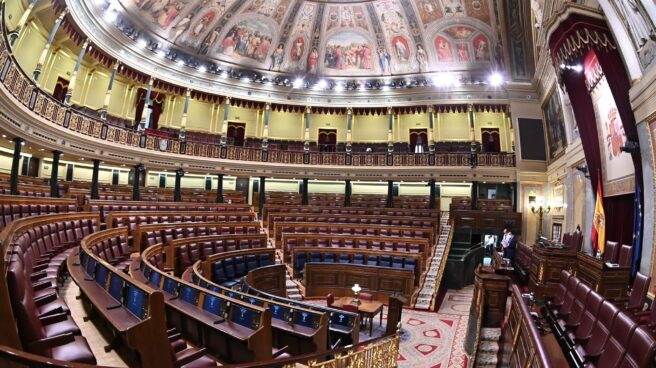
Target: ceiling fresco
(327,38)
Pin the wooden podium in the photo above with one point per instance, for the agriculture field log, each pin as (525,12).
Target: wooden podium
(492,290)
(546,264)
(610,282)
(394,312)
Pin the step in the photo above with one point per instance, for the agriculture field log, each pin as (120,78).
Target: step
(490,334)
(485,359)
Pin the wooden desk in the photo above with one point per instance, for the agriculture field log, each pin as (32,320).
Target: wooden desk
(611,283)
(546,264)
(367,309)
(491,290)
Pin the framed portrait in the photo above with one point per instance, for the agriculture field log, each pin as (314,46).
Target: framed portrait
(554,122)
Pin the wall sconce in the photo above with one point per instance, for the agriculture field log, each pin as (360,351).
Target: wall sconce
(356,290)
(538,208)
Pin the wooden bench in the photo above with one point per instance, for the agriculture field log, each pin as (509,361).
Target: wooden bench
(320,279)
(33,250)
(346,210)
(299,256)
(135,311)
(15,207)
(185,251)
(408,232)
(384,244)
(134,218)
(149,234)
(105,206)
(329,219)
(343,325)
(233,330)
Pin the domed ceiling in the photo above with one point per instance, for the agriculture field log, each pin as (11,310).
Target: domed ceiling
(326,38)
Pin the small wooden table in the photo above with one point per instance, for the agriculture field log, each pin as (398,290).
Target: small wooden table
(367,309)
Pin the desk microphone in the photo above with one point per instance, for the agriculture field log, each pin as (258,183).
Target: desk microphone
(114,306)
(219,321)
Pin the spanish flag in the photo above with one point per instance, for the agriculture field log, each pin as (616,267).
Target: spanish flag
(599,224)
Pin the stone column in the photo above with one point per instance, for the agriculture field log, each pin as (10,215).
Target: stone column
(390,194)
(304,192)
(224,127)
(15,165)
(349,129)
(473,155)
(431,128)
(262,196)
(78,64)
(44,53)
(94,179)
(265,128)
(54,174)
(13,36)
(108,94)
(431,185)
(390,132)
(306,145)
(347,193)
(148,105)
(219,189)
(177,192)
(474,195)
(185,113)
(136,195)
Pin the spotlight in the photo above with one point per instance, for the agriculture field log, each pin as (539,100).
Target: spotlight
(322,84)
(339,87)
(142,43)
(180,62)
(298,83)
(495,80)
(202,69)
(111,16)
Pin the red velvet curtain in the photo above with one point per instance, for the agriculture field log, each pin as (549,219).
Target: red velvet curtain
(618,209)
(158,104)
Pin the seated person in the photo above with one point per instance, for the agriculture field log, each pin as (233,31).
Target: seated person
(508,243)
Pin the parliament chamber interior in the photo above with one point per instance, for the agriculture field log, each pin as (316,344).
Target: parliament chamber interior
(327,183)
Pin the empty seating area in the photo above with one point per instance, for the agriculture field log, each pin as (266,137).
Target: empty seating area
(228,271)
(37,249)
(15,207)
(106,206)
(151,234)
(304,255)
(591,330)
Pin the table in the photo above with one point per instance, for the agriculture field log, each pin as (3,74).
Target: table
(367,308)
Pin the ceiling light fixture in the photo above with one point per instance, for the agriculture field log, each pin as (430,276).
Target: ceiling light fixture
(495,79)
(298,83)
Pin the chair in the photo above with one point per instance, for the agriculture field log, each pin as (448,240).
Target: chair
(366,297)
(620,335)
(638,293)
(640,350)
(625,256)
(611,252)
(584,330)
(330,299)
(350,308)
(594,344)
(562,289)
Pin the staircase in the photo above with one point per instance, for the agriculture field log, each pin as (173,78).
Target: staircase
(487,354)
(292,289)
(432,278)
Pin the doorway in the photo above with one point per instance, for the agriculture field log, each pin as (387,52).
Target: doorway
(490,140)
(236,134)
(327,140)
(418,141)
(61,88)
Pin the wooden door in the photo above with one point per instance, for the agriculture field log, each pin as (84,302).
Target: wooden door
(327,140)
(236,134)
(418,140)
(490,140)
(61,88)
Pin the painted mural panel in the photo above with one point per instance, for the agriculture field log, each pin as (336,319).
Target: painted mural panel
(387,37)
(552,111)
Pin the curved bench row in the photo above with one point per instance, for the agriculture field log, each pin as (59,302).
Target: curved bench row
(106,206)
(135,311)
(35,250)
(15,207)
(151,234)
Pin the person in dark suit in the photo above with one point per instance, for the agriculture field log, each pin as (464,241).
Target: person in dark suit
(509,244)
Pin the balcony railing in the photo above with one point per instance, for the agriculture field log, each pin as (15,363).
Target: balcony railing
(26,92)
